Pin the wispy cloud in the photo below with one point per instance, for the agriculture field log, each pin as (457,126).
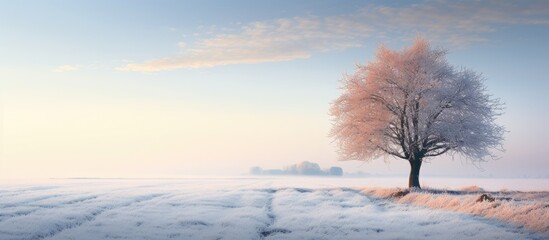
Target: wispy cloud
(66,68)
(452,23)
(280,40)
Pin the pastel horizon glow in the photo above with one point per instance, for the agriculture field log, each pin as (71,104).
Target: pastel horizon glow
(178,88)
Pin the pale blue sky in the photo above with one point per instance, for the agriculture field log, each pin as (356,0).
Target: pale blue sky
(164,88)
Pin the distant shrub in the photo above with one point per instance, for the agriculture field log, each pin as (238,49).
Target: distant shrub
(303,168)
(335,171)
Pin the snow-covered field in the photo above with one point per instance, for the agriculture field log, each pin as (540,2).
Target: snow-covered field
(248,208)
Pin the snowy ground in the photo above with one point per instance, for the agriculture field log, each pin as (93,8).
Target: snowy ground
(230,208)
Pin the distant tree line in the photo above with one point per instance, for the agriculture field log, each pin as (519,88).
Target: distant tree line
(303,168)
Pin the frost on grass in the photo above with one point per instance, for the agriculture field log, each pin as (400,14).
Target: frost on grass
(525,209)
(234,209)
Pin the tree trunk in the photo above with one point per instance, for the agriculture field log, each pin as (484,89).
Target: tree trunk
(413,181)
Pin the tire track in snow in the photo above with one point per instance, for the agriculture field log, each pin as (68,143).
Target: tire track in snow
(268,230)
(31,200)
(21,191)
(92,216)
(45,206)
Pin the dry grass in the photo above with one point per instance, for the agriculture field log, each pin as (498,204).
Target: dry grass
(527,209)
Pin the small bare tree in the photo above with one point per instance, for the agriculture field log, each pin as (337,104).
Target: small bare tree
(412,104)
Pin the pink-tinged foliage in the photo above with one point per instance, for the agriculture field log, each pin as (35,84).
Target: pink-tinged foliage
(528,209)
(413,104)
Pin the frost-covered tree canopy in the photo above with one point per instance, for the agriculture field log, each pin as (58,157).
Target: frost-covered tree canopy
(413,104)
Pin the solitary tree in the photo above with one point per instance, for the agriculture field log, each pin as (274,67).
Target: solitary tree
(412,104)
